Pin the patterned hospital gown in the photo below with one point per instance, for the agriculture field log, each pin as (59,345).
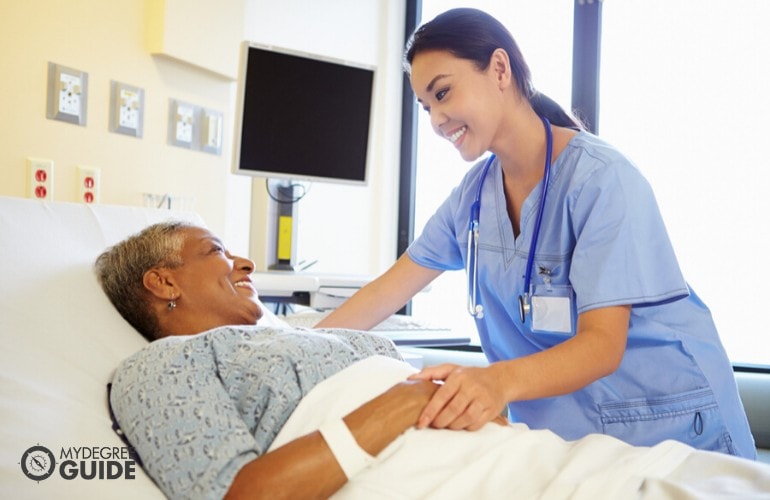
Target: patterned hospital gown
(198,408)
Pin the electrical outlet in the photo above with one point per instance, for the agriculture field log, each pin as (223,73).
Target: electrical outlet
(67,94)
(40,179)
(182,123)
(126,109)
(88,184)
(211,131)
(69,90)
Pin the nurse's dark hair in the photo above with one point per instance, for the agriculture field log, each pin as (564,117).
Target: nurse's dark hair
(120,271)
(474,35)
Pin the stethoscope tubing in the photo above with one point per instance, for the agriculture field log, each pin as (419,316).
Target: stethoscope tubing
(474,308)
(541,209)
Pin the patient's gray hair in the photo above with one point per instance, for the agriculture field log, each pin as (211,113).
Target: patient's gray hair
(121,268)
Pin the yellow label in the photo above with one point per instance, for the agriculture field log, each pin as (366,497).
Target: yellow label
(284,237)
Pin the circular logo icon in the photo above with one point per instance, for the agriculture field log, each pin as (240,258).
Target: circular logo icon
(38,463)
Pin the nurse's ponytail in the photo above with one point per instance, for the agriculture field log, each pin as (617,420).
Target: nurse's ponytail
(474,35)
(547,107)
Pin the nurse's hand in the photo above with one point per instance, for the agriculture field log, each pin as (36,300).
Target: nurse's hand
(468,398)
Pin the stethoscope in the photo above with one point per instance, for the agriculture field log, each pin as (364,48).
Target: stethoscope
(472,264)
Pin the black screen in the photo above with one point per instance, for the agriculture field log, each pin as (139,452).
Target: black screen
(304,117)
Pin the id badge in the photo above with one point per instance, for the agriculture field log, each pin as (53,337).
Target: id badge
(552,308)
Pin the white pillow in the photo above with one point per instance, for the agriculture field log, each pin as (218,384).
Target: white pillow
(61,340)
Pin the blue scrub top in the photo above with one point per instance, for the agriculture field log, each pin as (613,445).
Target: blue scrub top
(602,234)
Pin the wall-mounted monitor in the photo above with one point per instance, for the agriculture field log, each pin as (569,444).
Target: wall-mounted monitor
(302,117)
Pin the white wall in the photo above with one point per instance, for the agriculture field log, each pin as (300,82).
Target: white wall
(348,229)
(108,40)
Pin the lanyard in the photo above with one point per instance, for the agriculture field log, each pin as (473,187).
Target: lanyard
(474,307)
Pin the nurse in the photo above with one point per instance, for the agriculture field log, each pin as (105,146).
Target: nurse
(581,307)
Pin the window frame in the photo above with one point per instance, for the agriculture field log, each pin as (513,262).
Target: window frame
(585,104)
(586,57)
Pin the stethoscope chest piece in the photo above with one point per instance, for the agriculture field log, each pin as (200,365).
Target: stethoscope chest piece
(524,307)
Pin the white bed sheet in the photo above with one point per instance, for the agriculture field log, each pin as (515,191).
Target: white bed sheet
(514,461)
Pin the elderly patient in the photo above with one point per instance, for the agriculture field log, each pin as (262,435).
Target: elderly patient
(214,405)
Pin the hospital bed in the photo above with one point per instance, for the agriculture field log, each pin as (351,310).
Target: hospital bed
(61,340)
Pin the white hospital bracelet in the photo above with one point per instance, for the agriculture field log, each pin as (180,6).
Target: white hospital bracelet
(351,457)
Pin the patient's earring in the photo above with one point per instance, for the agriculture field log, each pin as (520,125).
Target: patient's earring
(171,303)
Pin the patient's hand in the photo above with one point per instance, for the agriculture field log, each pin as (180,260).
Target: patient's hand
(413,394)
(469,397)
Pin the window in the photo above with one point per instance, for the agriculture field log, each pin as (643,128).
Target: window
(439,168)
(685,92)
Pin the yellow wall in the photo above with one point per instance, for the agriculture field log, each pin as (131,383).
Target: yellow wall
(109,41)
(106,40)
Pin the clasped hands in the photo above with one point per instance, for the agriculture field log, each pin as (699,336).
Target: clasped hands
(467,398)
